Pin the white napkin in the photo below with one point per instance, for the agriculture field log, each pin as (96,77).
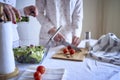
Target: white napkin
(107,49)
(50,74)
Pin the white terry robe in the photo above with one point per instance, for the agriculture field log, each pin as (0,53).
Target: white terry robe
(54,13)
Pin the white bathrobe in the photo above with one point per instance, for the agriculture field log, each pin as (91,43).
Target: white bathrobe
(54,13)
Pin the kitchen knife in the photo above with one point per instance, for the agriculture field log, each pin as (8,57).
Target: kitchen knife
(48,44)
(65,43)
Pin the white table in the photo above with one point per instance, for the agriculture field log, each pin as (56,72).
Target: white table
(89,69)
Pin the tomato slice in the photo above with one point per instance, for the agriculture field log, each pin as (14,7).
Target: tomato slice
(41,69)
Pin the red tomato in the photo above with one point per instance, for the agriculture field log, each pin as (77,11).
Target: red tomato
(41,69)
(69,47)
(72,51)
(38,78)
(65,50)
(37,75)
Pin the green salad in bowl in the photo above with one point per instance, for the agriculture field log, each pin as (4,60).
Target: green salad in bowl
(29,54)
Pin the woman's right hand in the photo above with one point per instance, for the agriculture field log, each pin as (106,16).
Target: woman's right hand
(9,12)
(59,37)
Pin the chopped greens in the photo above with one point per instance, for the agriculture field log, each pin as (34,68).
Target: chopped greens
(29,54)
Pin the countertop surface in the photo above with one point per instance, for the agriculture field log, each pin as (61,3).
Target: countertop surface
(88,69)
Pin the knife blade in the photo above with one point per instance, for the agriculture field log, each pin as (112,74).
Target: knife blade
(65,43)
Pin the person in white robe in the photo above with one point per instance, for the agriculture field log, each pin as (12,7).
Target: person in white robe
(56,13)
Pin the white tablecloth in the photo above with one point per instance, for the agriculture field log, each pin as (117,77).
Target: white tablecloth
(89,69)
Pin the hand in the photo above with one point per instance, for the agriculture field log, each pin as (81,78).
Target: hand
(31,10)
(9,13)
(59,37)
(75,40)
(52,31)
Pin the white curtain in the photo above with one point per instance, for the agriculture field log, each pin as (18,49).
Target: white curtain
(101,17)
(111,16)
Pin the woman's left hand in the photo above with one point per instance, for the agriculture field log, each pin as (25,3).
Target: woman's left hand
(31,10)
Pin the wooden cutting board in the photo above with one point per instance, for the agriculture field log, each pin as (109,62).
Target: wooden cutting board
(78,56)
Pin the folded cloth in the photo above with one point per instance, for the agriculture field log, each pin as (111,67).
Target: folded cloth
(107,49)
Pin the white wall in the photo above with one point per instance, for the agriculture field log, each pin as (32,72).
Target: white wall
(92,17)
(101,17)
(111,18)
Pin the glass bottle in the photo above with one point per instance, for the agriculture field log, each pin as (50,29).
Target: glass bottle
(24,19)
(87,40)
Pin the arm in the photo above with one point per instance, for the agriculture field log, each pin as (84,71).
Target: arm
(77,18)
(10,13)
(44,21)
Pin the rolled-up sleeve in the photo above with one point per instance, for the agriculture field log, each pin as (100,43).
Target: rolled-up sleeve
(77,18)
